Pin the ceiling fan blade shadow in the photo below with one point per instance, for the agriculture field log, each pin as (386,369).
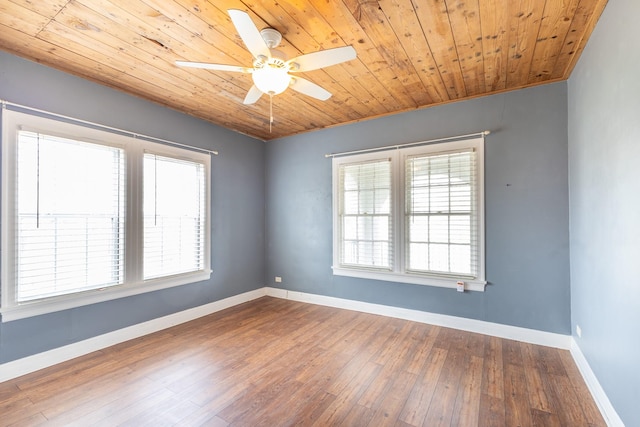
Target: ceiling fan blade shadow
(249,33)
(308,88)
(218,67)
(323,58)
(252,96)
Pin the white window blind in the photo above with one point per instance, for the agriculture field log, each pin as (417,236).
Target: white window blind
(69,227)
(365,214)
(174,216)
(90,216)
(441,213)
(412,214)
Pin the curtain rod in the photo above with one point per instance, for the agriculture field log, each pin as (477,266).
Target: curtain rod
(391,147)
(105,127)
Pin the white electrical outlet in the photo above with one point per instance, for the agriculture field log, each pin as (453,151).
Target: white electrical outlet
(579,331)
(278,279)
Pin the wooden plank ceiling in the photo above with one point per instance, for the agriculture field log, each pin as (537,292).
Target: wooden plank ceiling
(411,53)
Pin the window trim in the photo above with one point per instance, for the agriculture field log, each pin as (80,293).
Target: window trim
(12,122)
(366,160)
(398,272)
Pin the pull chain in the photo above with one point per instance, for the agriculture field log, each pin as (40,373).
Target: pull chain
(155,190)
(38,182)
(270,111)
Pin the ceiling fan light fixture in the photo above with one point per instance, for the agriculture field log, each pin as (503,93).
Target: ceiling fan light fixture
(271,80)
(270,71)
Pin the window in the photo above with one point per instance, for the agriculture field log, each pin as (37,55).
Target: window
(69,224)
(89,216)
(366,220)
(174,216)
(412,215)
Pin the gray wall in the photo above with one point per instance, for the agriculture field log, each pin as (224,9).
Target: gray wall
(527,208)
(604,150)
(527,239)
(237,205)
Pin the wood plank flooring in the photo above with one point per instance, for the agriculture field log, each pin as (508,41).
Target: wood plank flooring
(273,362)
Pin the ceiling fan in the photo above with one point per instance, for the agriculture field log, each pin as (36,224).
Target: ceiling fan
(271,71)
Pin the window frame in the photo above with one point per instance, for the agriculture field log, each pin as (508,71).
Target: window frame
(399,272)
(134,148)
(203,205)
(391,214)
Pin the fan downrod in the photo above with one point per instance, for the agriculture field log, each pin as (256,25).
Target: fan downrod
(271,37)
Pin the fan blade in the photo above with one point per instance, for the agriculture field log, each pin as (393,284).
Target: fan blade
(252,96)
(322,58)
(219,67)
(311,89)
(249,33)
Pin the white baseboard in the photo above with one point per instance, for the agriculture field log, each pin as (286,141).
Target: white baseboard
(607,410)
(532,336)
(35,362)
(38,361)
(549,339)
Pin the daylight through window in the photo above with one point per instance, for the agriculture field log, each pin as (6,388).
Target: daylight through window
(411,215)
(91,215)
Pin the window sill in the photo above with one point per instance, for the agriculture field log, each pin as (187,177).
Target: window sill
(415,279)
(65,302)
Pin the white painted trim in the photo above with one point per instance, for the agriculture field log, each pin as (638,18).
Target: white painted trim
(532,336)
(549,339)
(607,410)
(38,361)
(134,150)
(397,156)
(68,301)
(35,362)
(416,279)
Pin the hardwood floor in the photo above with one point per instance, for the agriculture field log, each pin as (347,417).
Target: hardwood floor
(273,362)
